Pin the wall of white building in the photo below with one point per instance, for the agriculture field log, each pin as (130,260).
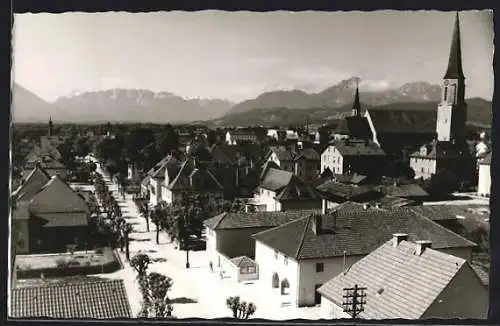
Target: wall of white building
(423,167)
(484,182)
(330,310)
(332,159)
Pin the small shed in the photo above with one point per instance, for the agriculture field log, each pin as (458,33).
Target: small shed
(245,269)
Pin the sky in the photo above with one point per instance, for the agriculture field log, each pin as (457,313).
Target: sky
(239,55)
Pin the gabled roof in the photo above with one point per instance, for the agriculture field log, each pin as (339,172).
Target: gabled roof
(297,190)
(390,202)
(32,184)
(169,164)
(346,191)
(265,168)
(57,197)
(435,212)
(276,179)
(355,127)
(403,121)
(281,152)
(243,261)
(400,283)
(63,219)
(355,231)
(404,190)
(439,149)
(350,178)
(307,153)
(242,220)
(99,299)
(350,147)
(203,177)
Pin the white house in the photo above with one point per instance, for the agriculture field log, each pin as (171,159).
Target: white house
(281,190)
(166,168)
(309,251)
(235,137)
(282,156)
(408,280)
(484,182)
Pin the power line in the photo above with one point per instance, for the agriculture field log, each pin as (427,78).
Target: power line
(354,300)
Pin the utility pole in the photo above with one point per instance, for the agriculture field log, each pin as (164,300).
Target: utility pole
(354,300)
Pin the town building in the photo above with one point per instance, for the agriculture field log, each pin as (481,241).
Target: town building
(162,173)
(409,281)
(281,190)
(48,215)
(282,156)
(484,181)
(449,151)
(229,235)
(335,193)
(350,156)
(307,164)
(302,255)
(238,136)
(105,299)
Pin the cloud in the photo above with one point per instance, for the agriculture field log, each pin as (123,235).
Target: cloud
(375,85)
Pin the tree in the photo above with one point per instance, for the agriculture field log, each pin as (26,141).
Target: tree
(127,229)
(167,140)
(240,309)
(156,216)
(159,285)
(144,211)
(140,262)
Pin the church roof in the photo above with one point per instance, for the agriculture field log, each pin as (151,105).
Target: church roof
(455,60)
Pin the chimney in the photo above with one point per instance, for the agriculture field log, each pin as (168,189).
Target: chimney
(317,224)
(398,237)
(422,245)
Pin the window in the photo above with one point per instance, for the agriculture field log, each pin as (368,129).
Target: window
(445,96)
(276,254)
(422,170)
(247,270)
(320,267)
(285,260)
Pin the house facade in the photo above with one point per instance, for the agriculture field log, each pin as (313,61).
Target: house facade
(484,181)
(235,137)
(307,163)
(282,157)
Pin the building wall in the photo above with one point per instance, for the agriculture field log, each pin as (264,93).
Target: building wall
(266,197)
(167,195)
(484,182)
(21,228)
(237,242)
(330,310)
(270,264)
(332,159)
(243,277)
(155,191)
(307,170)
(309,278)
(423,167)
(294,205)
(464,297)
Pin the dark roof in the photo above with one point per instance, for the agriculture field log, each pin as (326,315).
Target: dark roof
(63,219)
(243,261)
(403,121)
(307,153)
(281,152)
(393,202)
(355,127)
(276,179)
(346,191)
(400,283)
(435,212)
(297,189)
(404,190)
(454,69)
(439,149)
(168,163)
(356,231)
(102,300)
(268,165)
(353,178)
(201,177)
(57,197)
(32,184)
(253,220)
(349,147)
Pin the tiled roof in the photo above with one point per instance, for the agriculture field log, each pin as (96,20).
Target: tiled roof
(101,300)
(404,190)
(356,127)
(403,121)
(32,184)
(282,153)
(268,165)
(63,219)
(170,164)
(346,191)
(243,261)
(308,153)
(57,197)
(350,178)
(435,212)
(482,274)
(350,147)
(253,220)
(393,202)
(203,177)
(356,231)
(298,190)
(400,283)
(276,179)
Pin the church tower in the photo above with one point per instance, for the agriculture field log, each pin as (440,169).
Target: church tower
(452,110)
(51,127)
(356,107)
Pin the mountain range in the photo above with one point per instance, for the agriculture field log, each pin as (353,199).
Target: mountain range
(135,105)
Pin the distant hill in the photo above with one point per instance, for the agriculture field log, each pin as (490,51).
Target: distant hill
(479,114)
(120,105)
(339,95)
